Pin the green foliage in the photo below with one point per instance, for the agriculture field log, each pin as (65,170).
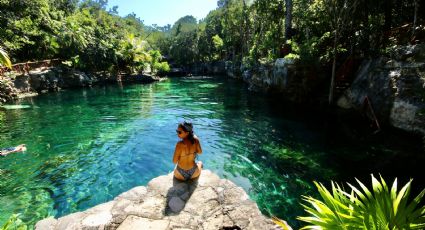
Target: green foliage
(132,54)
(73,62)
(43,29)
(247,62)
(183,25)
(292,56)
(257,29)
(162,67)
(218,46)
(4,58)
(155,57)
(14,223)
(281,223)
(218,42)
(235,30)
(295,50)
(379,208)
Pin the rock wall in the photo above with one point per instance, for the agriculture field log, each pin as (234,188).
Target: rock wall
(208,203)
(7,91)
(395,86)
(209,68)
(55,78)
(200,68)
(295,82)
(44,79)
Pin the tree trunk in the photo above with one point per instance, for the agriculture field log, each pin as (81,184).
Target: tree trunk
(415,18)
(331,89)
(288,20)
(366,39)
(387,15)
(245,30)
(387,22)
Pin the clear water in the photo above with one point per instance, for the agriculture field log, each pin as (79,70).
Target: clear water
(86,146)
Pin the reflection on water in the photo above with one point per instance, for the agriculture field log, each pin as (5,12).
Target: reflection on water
(87,146)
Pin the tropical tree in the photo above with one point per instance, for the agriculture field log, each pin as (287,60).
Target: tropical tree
(361,208)
(155,57)
(218,46)
(132,54)
(209,27)
(183,44)
(340,12)
(288,19)
(162,67)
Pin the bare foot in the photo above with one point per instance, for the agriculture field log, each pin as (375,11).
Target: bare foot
(200,165)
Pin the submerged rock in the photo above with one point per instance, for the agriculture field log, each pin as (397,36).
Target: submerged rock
(166,203)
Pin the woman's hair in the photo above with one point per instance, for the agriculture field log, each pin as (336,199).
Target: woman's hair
(188,127)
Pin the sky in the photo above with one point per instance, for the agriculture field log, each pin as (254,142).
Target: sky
(163,12)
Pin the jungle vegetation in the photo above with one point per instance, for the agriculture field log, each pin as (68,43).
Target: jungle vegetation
(317,32)
(84,34)
(90,35)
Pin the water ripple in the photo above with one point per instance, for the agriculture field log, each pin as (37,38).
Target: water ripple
(87,146)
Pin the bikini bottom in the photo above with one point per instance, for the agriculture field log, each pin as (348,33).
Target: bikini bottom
(187,174)
(3,152)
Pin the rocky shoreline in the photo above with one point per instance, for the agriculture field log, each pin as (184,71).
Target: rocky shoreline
(393,85)
(165,203)
(51,79)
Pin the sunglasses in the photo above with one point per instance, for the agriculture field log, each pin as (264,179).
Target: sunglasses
(179,132)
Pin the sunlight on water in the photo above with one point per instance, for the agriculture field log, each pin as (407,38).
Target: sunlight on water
(87,146)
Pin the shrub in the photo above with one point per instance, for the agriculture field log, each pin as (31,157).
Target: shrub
(162,67)
(381,208)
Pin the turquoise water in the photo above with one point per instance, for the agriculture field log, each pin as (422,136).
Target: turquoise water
(86,146)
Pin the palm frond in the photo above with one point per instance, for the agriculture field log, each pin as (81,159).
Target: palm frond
(4,58)
(361,208)
(281,223)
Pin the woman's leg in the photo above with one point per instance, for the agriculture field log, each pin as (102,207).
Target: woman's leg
(197,173)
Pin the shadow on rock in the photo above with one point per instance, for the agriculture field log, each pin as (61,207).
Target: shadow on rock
(178,195)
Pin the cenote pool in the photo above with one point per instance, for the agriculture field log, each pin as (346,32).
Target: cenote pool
(86,146)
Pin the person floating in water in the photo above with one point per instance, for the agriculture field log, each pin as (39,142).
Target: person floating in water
(19,148)
(185,153)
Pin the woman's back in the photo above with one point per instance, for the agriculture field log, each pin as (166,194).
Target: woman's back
(187,152)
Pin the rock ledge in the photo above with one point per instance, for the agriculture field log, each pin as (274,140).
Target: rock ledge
(165,203)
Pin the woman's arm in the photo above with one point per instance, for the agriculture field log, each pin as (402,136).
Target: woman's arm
(198,146)
(177,152)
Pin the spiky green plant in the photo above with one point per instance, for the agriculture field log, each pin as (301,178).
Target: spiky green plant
(281,223)
(4,58)
(379,208)
(14,223)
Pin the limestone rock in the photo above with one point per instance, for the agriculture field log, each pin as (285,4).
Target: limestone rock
(133,194)
(395,87)
(135,223)
(7,91)
(47,224)
(166,203)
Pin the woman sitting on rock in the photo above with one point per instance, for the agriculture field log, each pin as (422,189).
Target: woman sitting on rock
(186,152)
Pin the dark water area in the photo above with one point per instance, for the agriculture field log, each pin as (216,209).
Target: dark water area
(354,145)
(86,146)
